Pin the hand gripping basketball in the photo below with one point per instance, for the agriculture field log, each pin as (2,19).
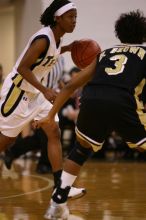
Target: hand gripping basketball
(84,51)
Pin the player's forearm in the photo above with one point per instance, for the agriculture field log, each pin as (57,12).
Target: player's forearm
(30,77)
(77,82)
(66,48)
(61,98)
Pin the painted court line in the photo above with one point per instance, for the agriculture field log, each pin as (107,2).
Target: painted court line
(49,185)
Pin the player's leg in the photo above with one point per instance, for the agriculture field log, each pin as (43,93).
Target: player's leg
(83,149)
(15,112)
(43,165)
(132,128)
(55,157)
(77,157)
(9,123)
(5,141)
(21,146)
(55,148)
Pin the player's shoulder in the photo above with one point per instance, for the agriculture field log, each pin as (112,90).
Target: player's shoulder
(126,48)
(43,31)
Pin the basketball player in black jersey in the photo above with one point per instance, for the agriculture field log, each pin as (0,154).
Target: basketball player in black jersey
(109,102)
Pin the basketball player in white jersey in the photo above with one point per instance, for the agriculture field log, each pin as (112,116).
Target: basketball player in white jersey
(23,96)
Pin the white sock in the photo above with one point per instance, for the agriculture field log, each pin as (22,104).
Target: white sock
(67,179)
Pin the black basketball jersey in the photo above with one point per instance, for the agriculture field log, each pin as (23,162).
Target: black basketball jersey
(121,68)
(109,101)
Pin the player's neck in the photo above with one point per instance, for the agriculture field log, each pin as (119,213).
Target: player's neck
(58,33)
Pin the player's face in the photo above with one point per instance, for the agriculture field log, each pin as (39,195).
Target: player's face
(68,21)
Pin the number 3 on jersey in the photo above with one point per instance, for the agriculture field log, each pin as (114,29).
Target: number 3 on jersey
(120,61)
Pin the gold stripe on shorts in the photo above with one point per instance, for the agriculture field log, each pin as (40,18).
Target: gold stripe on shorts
(94,144)
(17,79)
(13,97)
(141,144)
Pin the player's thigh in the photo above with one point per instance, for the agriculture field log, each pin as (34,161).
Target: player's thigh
(131,126)
(45,107)
(17,109)
(92,124)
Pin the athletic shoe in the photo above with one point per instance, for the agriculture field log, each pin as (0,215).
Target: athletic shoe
(76,193)
(57,211)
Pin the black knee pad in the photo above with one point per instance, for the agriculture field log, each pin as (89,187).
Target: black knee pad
(80,154)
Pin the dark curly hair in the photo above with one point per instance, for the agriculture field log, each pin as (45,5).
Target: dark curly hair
(47,18)
(131,27)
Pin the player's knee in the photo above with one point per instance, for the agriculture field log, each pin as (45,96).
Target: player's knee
(80,154)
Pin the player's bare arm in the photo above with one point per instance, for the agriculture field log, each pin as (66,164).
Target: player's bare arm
(67,48)
(24,68)
(84,76)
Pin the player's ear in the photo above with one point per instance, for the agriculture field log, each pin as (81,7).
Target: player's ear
(57,19)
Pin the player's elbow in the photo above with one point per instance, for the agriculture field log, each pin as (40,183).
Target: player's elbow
(21,69)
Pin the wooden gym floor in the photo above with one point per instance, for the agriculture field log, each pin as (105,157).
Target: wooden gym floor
(115,191)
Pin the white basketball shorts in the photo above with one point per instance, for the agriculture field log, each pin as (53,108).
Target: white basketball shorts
(18,108)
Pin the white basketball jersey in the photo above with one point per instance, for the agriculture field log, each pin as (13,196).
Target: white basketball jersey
(42,66)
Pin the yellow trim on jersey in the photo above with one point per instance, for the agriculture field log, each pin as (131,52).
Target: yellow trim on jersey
(87,141)
(142,117)
(13,97)
(138,91)
(143,146)
(17,79)
(132,145)
(140,106)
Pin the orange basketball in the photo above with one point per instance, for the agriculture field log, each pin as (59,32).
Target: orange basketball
(84,51)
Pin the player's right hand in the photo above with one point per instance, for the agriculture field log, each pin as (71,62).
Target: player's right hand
(43,123)
(50,95)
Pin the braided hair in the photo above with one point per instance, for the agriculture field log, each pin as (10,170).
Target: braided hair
(131,27)
(47,18)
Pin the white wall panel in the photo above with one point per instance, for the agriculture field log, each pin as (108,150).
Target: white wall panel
(7,39)
(96,20)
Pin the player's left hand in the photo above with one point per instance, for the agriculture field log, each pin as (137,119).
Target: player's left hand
(50,95)
(43,122)
(67,47)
